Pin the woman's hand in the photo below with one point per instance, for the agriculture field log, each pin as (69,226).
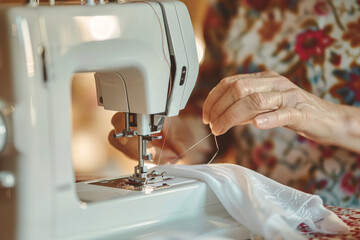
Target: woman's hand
(178,135)
(269,100)
(129,146)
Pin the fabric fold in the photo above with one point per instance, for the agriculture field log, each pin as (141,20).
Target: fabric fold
(266,207)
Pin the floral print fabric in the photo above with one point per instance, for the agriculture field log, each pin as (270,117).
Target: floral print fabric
(350,216)
(316,44)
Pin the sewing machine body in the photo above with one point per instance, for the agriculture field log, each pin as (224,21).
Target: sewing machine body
(40,50)
(187,206)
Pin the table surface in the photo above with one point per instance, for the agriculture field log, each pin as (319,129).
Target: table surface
(350,216)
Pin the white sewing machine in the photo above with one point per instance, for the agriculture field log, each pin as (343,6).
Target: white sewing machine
(144,56)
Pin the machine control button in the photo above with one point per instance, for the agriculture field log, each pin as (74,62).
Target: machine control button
(7,179)
(183,75)
(3,133)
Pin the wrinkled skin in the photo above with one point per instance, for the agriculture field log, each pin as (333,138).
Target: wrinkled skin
(269,100)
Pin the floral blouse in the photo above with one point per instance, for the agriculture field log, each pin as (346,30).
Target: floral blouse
(316,44)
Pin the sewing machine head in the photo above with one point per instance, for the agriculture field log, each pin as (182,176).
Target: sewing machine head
(155,81)
(144,56)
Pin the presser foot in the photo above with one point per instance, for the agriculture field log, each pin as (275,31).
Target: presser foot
(139,177)
(151,178)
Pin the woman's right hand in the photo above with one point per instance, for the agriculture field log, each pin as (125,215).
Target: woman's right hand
(269,100)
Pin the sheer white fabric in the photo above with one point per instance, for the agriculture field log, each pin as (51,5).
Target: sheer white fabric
(266,207)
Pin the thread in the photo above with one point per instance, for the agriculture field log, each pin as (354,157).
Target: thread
(217,150)
(165,137)
(214,156)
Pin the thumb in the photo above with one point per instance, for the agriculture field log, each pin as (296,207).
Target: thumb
(118,121)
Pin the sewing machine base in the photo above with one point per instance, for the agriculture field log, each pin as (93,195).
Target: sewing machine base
(186,207)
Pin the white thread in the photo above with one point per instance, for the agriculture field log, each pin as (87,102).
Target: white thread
(217,151)
(162,148)
(216,143)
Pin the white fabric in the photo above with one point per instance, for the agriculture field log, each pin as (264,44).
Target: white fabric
(266,207)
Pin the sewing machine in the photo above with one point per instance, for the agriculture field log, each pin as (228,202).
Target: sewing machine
(144,57)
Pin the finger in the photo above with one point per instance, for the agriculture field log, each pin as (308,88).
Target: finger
(223,86)
(289,117)
(118,121)
(124,145)
(241,87)
(244,110)
(256,100)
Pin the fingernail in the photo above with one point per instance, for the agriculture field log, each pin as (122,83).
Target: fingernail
(262,121)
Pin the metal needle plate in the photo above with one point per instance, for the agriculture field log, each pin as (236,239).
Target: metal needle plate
(154,181)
